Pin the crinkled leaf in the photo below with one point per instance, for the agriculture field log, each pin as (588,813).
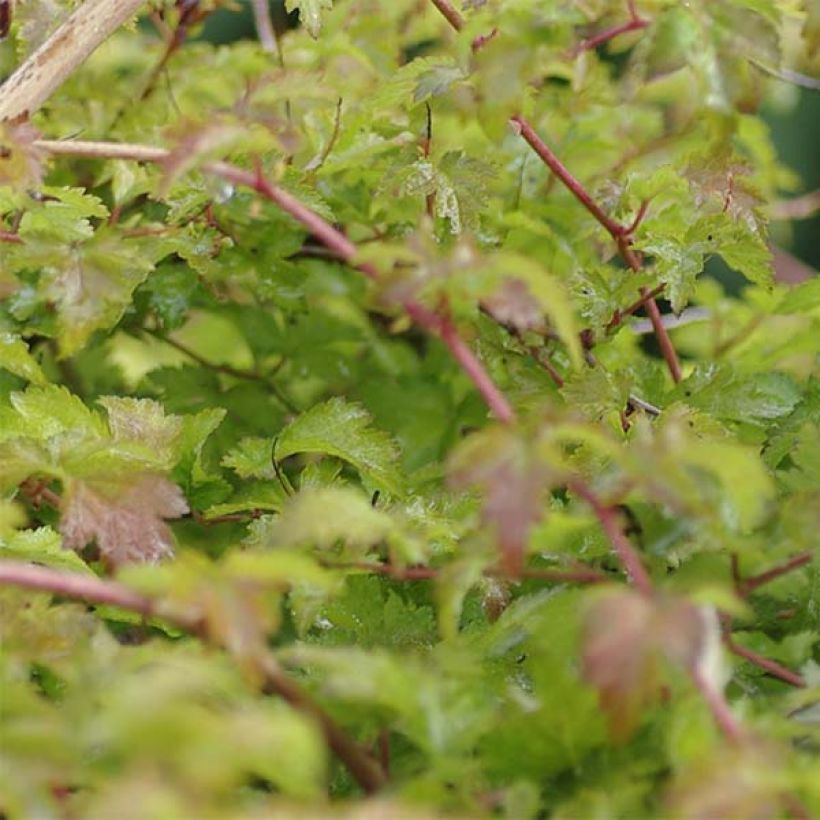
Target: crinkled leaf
(342,429)
(625,636)
(325,517)
(144,422)
(252,457)
(126,521)
(512,482)
(15,357)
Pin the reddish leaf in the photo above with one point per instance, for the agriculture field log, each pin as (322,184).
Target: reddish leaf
(513,304)
(745,781)
(127,526)
(627,634)
(501,464)
(196,144)
(20,161)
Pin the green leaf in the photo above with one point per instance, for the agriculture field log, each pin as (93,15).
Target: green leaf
(754,398)
(42,546)
(341,429)
(323,518)
(15,357)
(252,457)
(310,13)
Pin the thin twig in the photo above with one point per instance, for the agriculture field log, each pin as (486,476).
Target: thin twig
(618,232)
(634,24)
(642,404)
(249,375)
(667,348)
(582,575)
(366,771)
(450,13)
(774,668)
(608,518)
(318,161)
(619,315)
(718,706)
(747,330)
(750,584)
(563,173)
(787,76)
(801,207)
(37,492)
(537,353)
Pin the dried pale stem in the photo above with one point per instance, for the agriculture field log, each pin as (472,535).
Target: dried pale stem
(61,54)
(801,207)
(609,520)
(264,26)
(88,588)
(324,232)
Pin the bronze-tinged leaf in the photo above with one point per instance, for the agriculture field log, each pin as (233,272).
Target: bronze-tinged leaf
(513,305)
(21,162)
(720,182)
(626,636)
(126,520)
(197,144)
(619,659)
(745,781)
(513,482)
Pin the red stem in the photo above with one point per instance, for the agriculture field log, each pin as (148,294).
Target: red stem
(337,242)
(617,231)
(449,12)
(582,575)
(367,773)
(608,518)
(444,328)
(718,706)
(590,43)
(667,348)
(87,588)
(756,581)
(619,315)
(562,172)
(774,668)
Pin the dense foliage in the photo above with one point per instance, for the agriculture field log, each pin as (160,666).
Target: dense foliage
(360,392)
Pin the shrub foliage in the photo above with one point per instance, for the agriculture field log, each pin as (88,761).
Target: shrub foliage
(368,429)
